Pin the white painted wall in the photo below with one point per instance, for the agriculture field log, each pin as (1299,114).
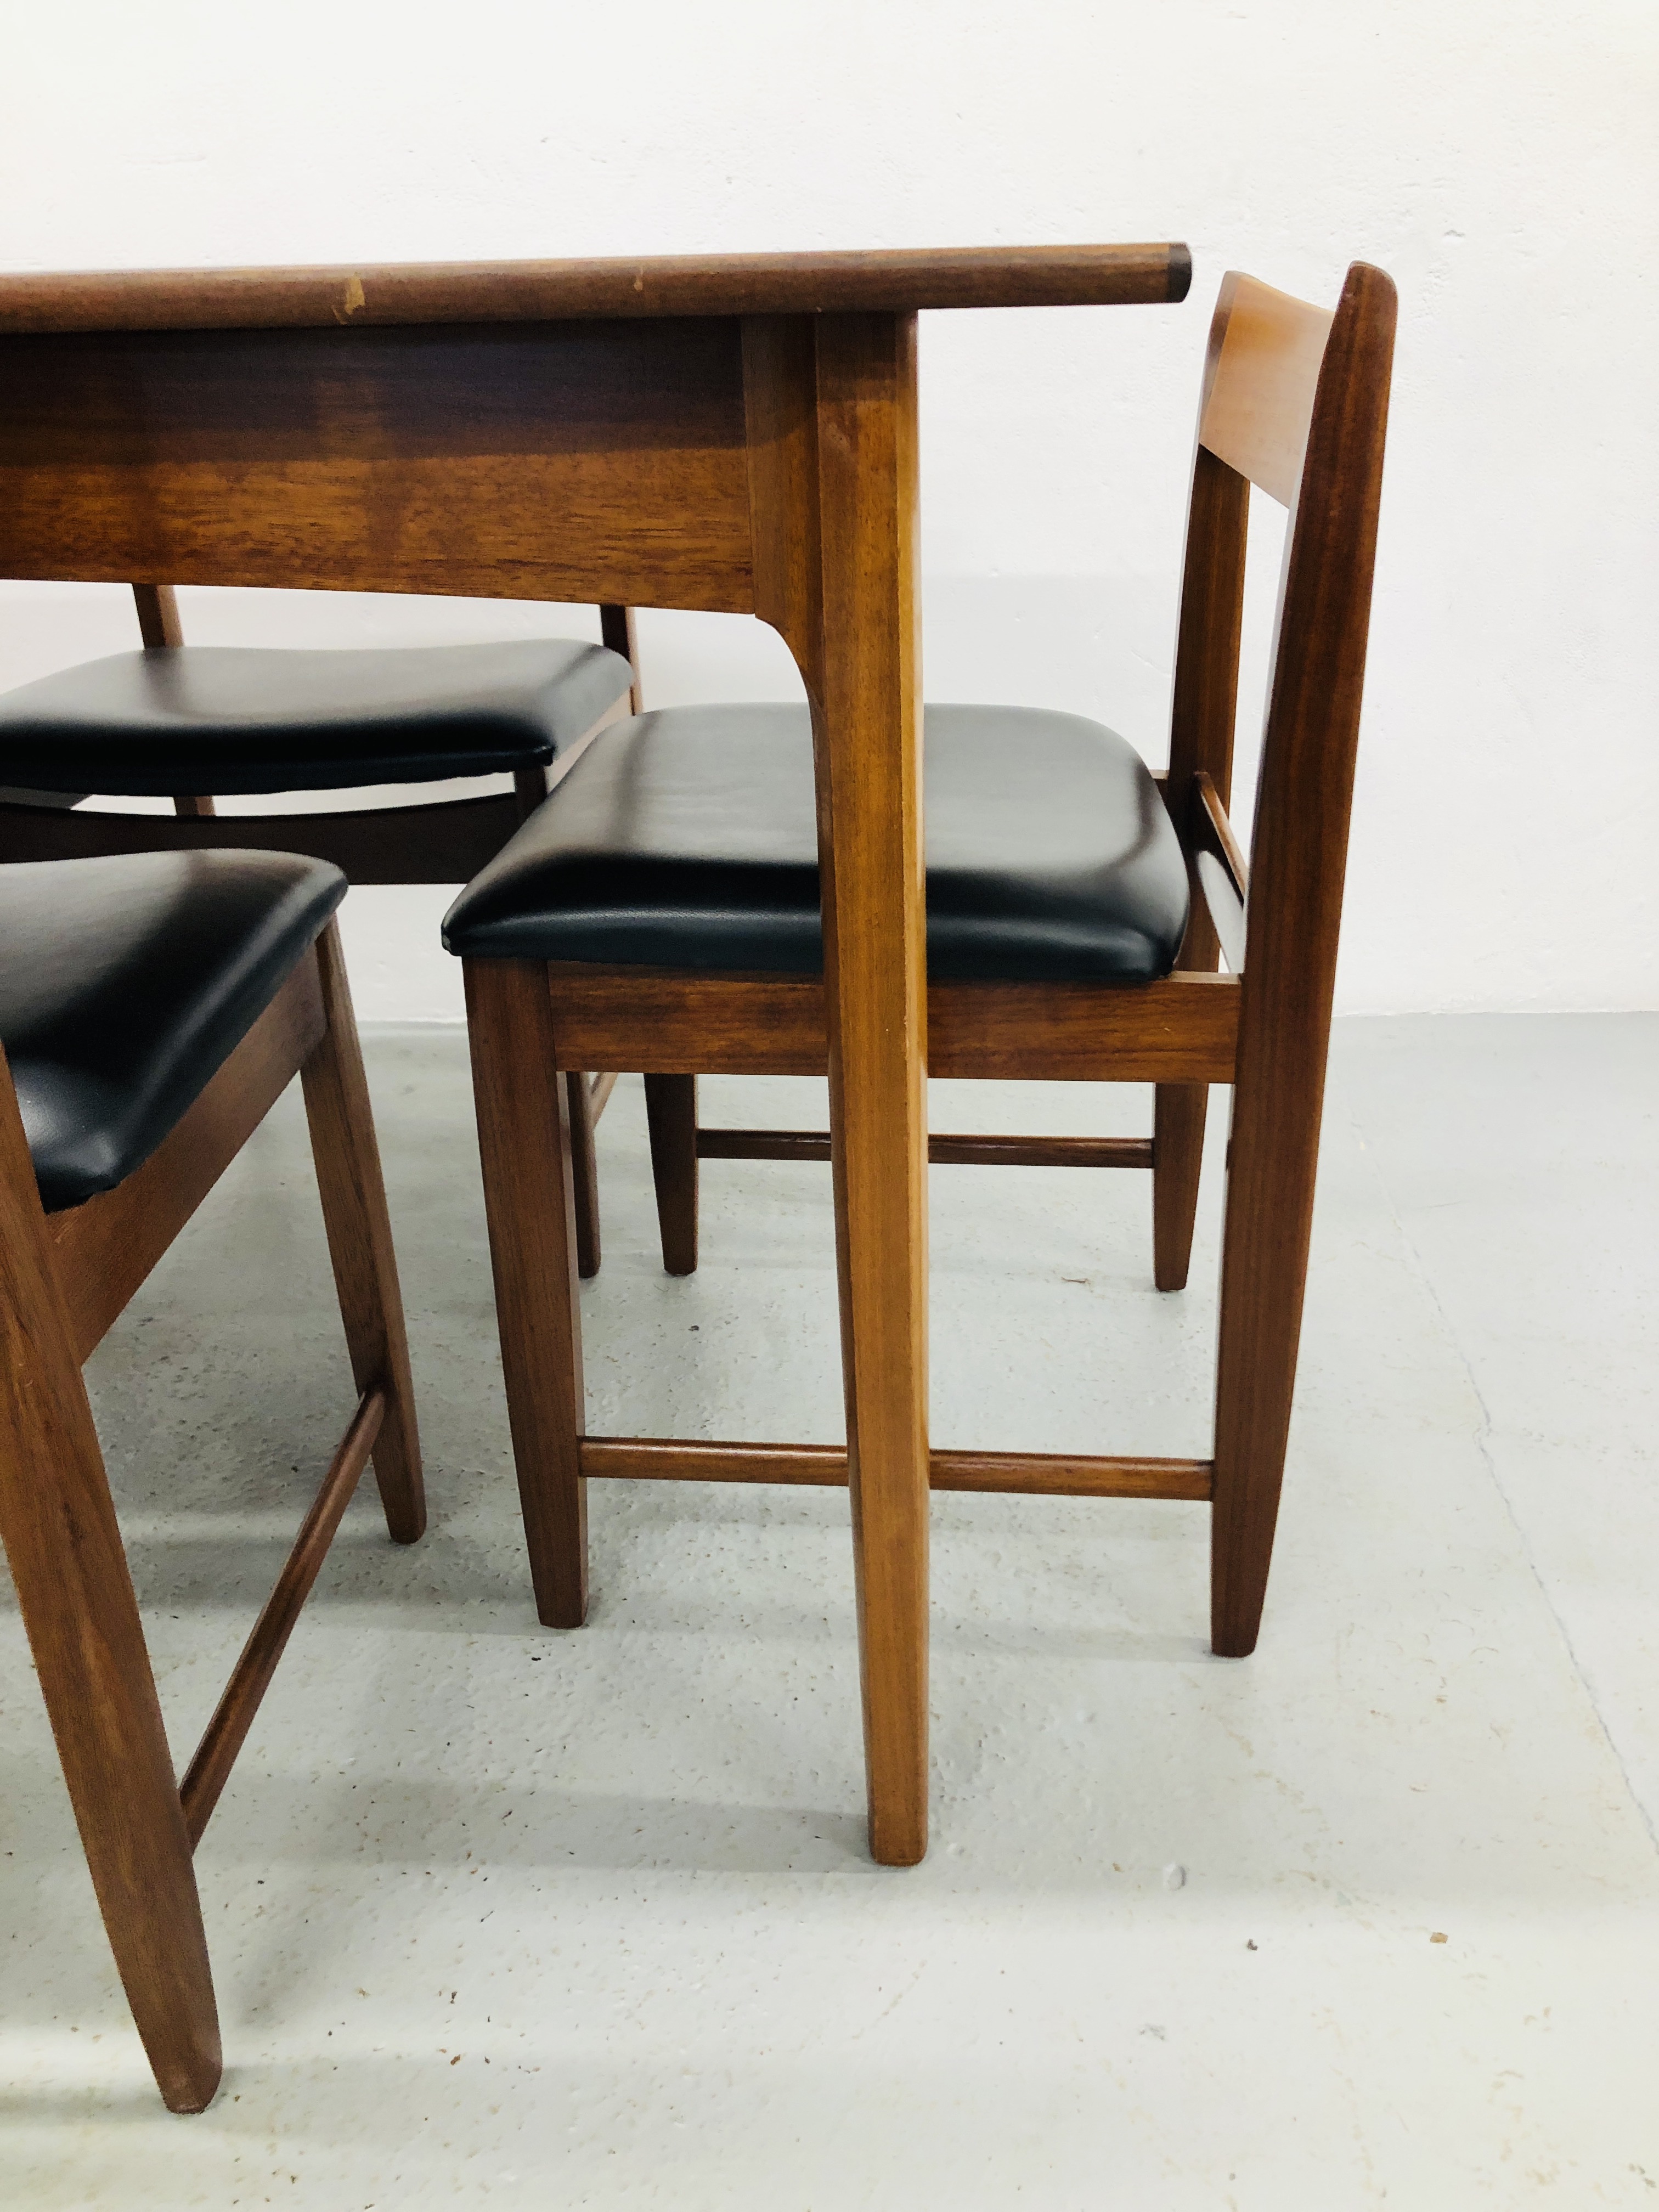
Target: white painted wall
(1498,156)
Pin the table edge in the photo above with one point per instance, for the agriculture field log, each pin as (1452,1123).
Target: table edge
(894,281)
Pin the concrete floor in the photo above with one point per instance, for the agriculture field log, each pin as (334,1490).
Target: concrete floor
(507,1917)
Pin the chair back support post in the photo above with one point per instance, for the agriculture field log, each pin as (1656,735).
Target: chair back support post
(618,631)
(1204,708)
(159,624)
(158,616)
(1298,865)
(1204,704)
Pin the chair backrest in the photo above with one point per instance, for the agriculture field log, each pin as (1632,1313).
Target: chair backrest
(1294,401)
(1259,378)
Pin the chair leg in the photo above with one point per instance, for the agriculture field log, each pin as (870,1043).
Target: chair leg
(347,1162)
(670,1113)
(524,1140)
(1177,1156)
(58,1524)
(529,784)
(1272,1160)
(584,1173)
(1178,1116)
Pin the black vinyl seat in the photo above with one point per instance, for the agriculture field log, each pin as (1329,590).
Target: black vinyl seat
(125,984)
(248,719)
(688,839)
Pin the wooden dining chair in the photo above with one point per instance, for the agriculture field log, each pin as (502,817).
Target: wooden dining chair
(184,722)
(153,1008)
(660,913)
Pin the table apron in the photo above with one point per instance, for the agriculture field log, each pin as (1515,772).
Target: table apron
(579,461)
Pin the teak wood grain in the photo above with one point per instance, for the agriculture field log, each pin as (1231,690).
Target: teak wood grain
(1031,1474)
(159,624)
(833,430)
(894,281)
(671,1113)
(598,460)
(1204,710)
(584,1173)
(160,627)
(524,1141)
(1266,350)
(942,1151)
(619,633)
(1295,399)
(1296,869)
(1221,871)
(674,1021)
(1212,826)
(735,434)
(75,1595)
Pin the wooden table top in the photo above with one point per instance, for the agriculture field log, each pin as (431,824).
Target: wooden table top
(887,282)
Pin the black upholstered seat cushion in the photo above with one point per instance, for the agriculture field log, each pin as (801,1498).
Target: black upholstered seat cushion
(234,718)
(687,840)
(124,986)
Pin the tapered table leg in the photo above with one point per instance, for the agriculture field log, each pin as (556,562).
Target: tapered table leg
(867,724)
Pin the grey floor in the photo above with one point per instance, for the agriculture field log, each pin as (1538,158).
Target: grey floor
(503,1916)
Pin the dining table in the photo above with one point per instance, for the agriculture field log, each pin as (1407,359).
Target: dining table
(735,432)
